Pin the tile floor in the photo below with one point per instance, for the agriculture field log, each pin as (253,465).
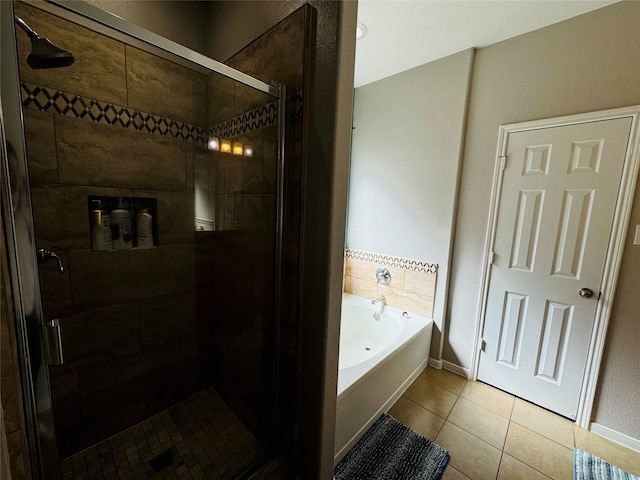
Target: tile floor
(493,435)
(205,441)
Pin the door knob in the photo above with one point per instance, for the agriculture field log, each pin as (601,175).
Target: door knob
(586,293)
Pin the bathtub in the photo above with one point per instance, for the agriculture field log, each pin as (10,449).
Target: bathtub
(380,356)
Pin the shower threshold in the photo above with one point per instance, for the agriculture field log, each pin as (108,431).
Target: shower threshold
(198,438)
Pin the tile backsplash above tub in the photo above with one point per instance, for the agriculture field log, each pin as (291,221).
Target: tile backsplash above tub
(412,286)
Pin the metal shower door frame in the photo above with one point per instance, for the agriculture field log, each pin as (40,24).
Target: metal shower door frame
(17,215)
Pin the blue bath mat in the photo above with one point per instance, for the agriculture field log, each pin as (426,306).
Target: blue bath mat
(590,467)
(392,451)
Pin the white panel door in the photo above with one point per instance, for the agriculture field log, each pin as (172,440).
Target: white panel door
(554,221)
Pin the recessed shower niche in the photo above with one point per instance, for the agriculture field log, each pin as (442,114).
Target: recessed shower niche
(122,223)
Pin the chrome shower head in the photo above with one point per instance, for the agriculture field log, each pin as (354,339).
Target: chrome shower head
(44,54)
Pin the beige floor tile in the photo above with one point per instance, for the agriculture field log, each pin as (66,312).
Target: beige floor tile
(420,419)
(488,397)
(431,396)
(539,452)
(513,469)
(446,379)
(471,456)
(613,453)
(479,421)
(452,474)
(541,421)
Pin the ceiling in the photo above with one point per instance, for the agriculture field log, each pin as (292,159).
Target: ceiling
(402,34)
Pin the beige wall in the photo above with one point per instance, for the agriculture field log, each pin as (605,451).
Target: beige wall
(407,146)
(184,22)
(584,64)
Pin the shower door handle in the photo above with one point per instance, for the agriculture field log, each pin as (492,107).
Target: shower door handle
(52,336)
(44,255)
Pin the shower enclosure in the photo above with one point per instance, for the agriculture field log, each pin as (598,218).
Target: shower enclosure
(179,356)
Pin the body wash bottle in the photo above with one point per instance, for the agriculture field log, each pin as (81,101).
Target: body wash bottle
(121,226)
(100,227)
(144,228)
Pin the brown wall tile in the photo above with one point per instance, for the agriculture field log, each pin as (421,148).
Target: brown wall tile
(175,212)
(219,99)
(270,159)
(191,152)
(101,334)
(156,85)
(41,146)
(95,154)
(102,278)
(61,217)
(264,58)
(167,321)
(246,98)
(106,386)
(99,67)
(66,401)
(199,99)
(55,287)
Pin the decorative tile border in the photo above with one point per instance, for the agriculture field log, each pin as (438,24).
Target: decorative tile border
(50,100)
(47,99)
(398,262)
(260,117)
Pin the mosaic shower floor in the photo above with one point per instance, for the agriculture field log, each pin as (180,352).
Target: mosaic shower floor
(199,438)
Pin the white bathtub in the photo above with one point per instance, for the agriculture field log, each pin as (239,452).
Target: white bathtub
(378,361)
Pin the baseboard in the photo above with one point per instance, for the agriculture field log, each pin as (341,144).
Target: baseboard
(615,436)
(435,363)
(452,367)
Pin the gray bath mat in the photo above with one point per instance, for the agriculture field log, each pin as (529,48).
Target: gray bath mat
(392,451)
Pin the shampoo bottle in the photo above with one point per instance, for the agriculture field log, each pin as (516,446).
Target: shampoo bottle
(121,227)
(100,227)
(144,228)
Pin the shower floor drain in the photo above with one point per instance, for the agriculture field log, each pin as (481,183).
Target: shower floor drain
(161,461)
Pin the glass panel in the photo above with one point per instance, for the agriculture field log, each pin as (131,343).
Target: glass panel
(166,303)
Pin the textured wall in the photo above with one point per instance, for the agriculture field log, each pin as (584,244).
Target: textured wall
(184,22)
(584,64)
(407,146)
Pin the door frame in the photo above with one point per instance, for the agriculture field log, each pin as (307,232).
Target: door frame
(615,248)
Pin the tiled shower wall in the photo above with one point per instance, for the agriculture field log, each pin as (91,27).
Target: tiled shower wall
(127,316)
(140,327)
(243,337)
(412,286)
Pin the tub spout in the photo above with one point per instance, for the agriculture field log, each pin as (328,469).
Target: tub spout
(379,302)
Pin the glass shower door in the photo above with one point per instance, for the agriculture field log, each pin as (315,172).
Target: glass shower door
(170,342)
